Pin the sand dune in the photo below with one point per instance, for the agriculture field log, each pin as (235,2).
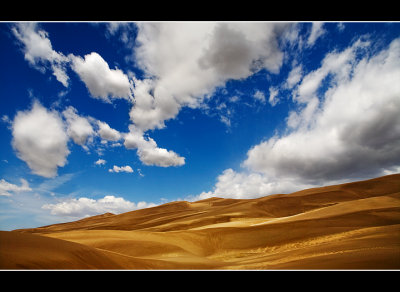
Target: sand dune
(348,226)
(27,251)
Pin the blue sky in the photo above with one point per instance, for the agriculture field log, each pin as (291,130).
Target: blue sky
(117,116)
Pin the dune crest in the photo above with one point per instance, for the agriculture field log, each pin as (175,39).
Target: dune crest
(348,226)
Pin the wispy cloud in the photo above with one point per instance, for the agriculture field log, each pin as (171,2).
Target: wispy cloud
(39,52)
(7,188)
(100,162)
(317,31)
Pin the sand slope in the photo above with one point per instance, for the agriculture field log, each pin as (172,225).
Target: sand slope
(29,251)
(348,226)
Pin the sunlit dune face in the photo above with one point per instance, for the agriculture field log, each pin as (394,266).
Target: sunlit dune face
(349,226)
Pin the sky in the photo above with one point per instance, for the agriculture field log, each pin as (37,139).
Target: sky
(100,117)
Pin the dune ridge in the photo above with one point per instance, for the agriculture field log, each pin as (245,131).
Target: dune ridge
(349,226)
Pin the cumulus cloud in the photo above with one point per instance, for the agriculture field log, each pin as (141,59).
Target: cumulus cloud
(236,50)
(352,132)
(185,63)
(148,151)
(204,55)
(39,52)
(40,136)
(83,207)
(349,130)
(101,81)
(6,187)
(159,156)
(40,139)
(107,133)
(249,185)
(150,112)
(117,169)
(78,127)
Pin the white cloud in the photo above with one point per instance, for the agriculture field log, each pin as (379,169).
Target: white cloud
(78,128)
(259,95)
(39,51)
(113,27)
(123,31)
(353,132)
(241,185)
(337,65)
(236,50)
(291,36)
(83,207)
(40,139)
(149,112)
(234,98)
(160,157)
(6,187)
(100,162)
(101,81)
(117,169)
(294,77)
(148,151)
(184,62)
(135,139)
(107,133)
(341,26)
(225,120)
(116,144)
(273,93)
(317,31)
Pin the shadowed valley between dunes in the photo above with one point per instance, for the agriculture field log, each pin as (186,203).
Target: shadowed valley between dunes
(348,226)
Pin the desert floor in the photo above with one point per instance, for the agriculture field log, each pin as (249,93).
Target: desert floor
(349,226)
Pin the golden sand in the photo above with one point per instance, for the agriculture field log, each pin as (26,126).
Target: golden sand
(348,226)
